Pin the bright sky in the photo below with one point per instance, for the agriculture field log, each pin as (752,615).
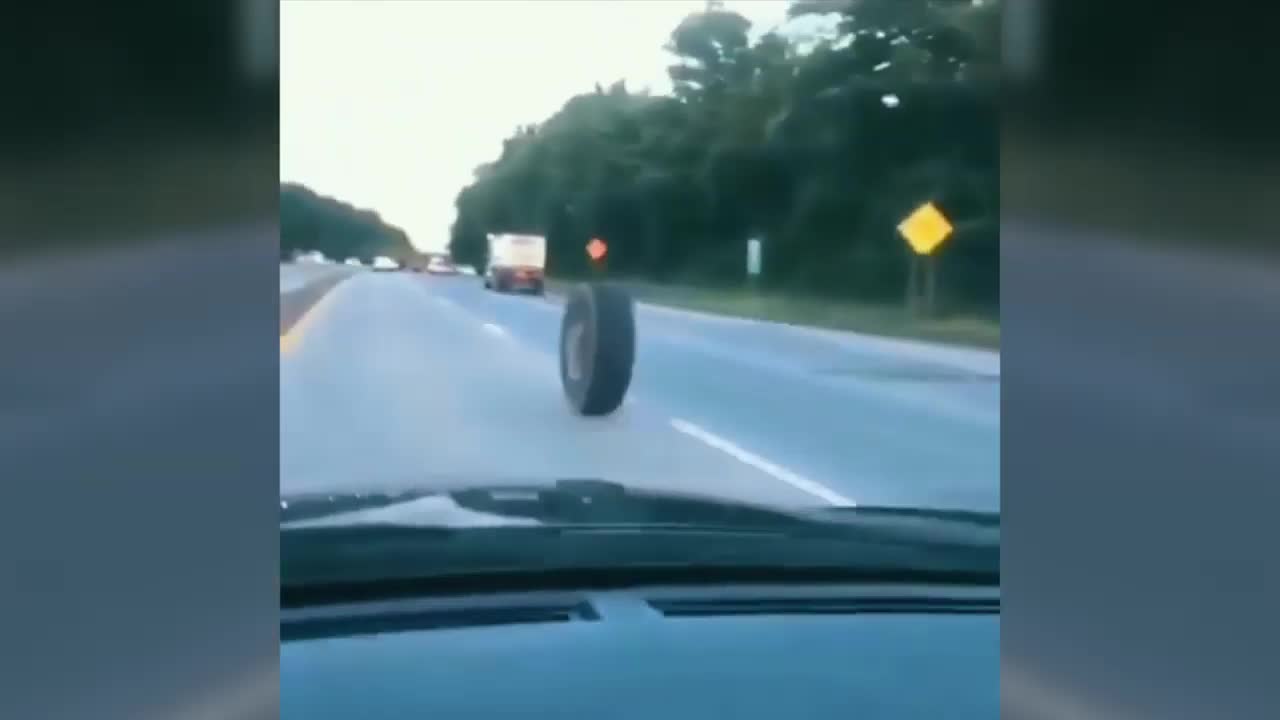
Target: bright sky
(391,105)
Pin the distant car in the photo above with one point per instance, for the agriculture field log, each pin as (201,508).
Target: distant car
(467,270)
(383,263)
(353,262)
(441,266)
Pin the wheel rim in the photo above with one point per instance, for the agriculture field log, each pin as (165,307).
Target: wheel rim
(573,351)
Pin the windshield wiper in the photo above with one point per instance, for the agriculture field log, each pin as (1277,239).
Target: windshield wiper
(596,502)
(972,517)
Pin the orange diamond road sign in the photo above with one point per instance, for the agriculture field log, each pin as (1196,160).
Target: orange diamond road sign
(596,248)
(925,229)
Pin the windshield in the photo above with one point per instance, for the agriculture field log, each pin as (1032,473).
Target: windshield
(722,267)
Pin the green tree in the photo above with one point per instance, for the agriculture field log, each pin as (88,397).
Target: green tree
(821,152)
(309,221)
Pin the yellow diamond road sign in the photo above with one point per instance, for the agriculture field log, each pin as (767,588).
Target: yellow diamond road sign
(925,229)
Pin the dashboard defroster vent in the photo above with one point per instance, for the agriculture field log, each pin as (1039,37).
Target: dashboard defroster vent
(704,607)
(378,623)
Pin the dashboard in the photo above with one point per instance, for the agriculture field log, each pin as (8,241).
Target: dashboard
(737,653)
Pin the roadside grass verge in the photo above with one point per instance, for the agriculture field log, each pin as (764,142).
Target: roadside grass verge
(838,314)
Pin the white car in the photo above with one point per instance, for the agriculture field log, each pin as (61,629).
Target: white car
(353,262)
(439,266)
(467,269)
(384,264)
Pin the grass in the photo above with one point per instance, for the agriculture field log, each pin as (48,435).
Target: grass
(839,314)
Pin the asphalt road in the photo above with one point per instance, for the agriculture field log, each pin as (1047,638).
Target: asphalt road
(295,276)
(401,379)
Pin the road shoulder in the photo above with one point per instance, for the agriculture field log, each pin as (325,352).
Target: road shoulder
(977,358)
(296,302)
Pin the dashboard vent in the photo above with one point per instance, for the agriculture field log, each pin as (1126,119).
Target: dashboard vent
(379,623)
(702,607)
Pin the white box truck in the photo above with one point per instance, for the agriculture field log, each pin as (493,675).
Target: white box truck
(516,263)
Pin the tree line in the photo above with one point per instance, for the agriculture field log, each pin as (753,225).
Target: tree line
(819,151)
(309,221)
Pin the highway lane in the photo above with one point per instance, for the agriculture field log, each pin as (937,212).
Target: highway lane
(403,378)
(295,276)
(390,385)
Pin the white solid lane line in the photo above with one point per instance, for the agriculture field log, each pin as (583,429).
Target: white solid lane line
(777,472)
(495,330)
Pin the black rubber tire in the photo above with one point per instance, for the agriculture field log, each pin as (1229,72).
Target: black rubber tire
(600,321)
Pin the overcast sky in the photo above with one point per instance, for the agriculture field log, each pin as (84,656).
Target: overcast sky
(391,105)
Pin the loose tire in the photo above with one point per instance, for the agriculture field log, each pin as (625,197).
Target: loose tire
(597,348)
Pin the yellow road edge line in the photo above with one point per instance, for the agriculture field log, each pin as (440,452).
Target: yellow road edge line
(290,339)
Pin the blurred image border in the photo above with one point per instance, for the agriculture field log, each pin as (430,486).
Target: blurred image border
(139,398)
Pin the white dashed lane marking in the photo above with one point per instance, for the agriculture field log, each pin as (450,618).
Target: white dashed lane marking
(772,469)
